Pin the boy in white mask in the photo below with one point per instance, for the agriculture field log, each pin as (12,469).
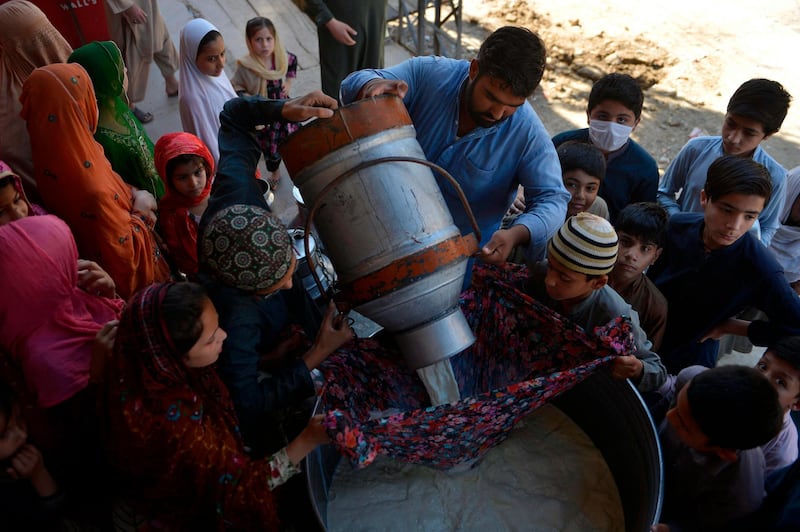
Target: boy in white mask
(614,111)
(755,112)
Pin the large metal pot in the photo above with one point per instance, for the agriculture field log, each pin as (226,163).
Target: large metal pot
(373,200)
(611,412)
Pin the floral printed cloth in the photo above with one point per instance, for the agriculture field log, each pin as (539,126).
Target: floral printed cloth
(525,354)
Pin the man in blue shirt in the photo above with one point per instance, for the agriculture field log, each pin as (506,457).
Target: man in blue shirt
(473,119)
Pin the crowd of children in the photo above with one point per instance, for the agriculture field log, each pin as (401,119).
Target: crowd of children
(183,405)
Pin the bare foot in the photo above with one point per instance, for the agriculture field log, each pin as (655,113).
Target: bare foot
(172,85)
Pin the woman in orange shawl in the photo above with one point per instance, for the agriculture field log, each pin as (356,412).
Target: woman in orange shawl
(77,183)
(27,41)
(183,158)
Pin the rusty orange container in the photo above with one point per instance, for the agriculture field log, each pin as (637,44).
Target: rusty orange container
(373,199)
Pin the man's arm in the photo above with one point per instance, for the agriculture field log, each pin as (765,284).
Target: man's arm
(769,219)
(673,182)
(545,196)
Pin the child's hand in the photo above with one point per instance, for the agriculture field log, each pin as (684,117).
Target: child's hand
(101,350)
(94,279)
(26,462)
(144,205)
(334,332)
(627,367)
(312,436)
(315,104)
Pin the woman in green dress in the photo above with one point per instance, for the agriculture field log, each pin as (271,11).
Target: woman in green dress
(124,140)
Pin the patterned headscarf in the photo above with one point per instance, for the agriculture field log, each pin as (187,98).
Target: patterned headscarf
(247,248)
(174,428)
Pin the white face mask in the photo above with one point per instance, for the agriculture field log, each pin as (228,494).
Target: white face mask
(608,136)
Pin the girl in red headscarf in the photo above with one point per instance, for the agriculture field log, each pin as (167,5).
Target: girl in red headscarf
(187,168)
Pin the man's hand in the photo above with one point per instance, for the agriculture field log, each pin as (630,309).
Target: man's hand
(499,247)
(627,367)
(379,86)
(94,279)
(313,105)
(135,15)
(341,32)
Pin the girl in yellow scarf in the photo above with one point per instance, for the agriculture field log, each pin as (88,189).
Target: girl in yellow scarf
(268,71)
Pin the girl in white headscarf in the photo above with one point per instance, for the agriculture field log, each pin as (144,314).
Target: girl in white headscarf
(786,242)
(204,87)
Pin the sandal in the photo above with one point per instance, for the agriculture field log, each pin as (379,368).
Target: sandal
(143,116)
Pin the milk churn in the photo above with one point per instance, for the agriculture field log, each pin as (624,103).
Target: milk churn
(374,201)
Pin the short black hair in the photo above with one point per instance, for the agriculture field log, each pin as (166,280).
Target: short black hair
(736,407)
(620,88)
(730,174)
(787,348)
(181,309)
(514,55)
(576,155)
(762,100)
(184,158)
(646,220)
(211,36)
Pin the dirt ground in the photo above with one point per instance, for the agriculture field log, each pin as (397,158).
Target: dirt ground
(688,55)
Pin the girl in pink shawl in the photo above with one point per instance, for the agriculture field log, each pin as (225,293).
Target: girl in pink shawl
(14,203)
(187,168)
(48,324)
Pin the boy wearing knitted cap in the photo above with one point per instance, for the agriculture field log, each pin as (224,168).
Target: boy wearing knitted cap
(574,282)
(246,263)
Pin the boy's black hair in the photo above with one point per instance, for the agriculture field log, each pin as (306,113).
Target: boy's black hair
(646,220)
(620,88)
(181,309)
(730,174)
(184,158)
(255,24)
(576,155)
(762,100)
(787,348)
(514,55)
(736,407)
(211,36)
